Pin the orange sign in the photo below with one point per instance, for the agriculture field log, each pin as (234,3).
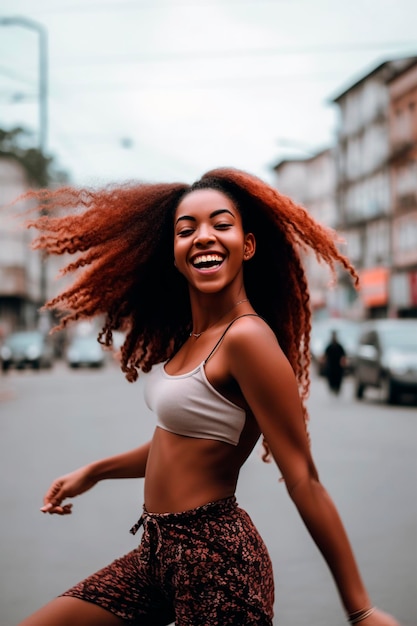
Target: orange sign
(413,288)
(374,286)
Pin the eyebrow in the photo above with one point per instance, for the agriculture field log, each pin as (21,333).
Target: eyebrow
(193,219)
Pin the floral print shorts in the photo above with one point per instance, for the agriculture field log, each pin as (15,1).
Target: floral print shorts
(204,567)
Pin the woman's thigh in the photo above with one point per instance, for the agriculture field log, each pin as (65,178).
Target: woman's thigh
(120,593)
(67,611)
(128,589)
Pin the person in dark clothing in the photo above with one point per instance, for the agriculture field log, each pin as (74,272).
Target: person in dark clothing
(335,362)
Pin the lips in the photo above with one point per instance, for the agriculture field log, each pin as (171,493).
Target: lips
(207,261)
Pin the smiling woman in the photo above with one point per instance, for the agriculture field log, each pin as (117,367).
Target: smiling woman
(207,284)
(209,237)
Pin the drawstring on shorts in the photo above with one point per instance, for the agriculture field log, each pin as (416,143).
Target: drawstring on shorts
(148,521)
(153,520)
(136,526)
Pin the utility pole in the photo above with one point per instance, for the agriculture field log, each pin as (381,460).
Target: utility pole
(42,33)
(25,22)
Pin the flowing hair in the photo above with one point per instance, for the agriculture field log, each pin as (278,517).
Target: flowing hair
(122,237)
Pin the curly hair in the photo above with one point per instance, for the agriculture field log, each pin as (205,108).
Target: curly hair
(123,236)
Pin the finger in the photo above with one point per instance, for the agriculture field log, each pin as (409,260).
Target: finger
(50,503)
(61,510)
(53,508)
(47,507)
(54,494)
(57,510)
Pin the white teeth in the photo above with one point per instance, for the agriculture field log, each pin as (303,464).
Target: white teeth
(207,261)
(208,258)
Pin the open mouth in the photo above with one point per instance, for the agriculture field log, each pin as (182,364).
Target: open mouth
(207,261)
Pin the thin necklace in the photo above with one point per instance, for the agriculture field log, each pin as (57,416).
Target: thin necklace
(197,335)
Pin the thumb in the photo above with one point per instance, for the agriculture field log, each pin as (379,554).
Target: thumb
(54,495)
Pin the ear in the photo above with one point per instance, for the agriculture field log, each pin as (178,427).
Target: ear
(250,246)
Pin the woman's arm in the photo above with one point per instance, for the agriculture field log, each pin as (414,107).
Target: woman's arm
(268,383)
(130,464)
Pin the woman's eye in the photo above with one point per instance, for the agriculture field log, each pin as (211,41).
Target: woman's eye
(222,226)
(185,232)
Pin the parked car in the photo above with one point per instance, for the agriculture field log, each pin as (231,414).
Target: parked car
(85,351)
(321,331)
(28,348)
(386,358)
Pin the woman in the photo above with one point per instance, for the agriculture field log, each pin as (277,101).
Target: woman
(207,282)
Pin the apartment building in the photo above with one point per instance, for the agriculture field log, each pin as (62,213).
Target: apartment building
(364,196)
(311,182)
(25,279)
(366,188)
(402,90)
(19,267)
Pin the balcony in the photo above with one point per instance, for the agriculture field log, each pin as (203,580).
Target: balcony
(405,202)
(13,281)
(401,148)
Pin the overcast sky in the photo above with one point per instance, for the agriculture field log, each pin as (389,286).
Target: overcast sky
(167,89)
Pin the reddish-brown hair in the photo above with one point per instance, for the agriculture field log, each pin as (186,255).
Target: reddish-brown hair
(123,236)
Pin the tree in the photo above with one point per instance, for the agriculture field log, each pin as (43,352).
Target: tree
(41,169)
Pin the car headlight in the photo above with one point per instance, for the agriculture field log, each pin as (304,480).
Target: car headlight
(399,370)
(33,352)
(5,353)
(397,364)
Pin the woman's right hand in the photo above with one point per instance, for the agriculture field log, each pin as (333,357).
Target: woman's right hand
(67,486)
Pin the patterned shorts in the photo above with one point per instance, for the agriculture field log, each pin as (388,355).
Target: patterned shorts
(206,566)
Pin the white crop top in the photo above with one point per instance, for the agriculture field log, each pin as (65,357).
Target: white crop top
(188,404)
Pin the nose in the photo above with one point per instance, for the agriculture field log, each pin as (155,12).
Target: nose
(204,236)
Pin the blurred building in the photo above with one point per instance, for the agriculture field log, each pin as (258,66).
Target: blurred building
(21,274)
(292,179)
(364,181)
(402,90)
(311,182)
(366,188)
(19,267)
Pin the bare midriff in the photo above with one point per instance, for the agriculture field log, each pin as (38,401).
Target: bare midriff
(183,473)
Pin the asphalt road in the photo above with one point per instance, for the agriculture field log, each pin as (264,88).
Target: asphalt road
(51,423)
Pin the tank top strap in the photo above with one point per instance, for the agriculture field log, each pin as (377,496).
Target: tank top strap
(225,331)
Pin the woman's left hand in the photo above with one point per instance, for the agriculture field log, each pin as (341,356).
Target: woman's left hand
(379,618)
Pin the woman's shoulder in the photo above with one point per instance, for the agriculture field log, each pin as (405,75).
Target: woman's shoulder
(250,328)
(250,320)
(253,349)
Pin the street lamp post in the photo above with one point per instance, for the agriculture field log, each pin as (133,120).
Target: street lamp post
(25,22)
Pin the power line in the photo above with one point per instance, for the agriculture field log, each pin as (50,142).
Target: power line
(192,55)
(5,71)
(16,97)
(235,82)
(153,5)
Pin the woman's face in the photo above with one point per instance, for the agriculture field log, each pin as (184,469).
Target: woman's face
(210,245)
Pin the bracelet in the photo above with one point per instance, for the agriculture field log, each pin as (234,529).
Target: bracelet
(358,616)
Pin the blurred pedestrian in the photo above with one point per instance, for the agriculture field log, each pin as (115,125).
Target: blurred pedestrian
(334,363)
(207,282)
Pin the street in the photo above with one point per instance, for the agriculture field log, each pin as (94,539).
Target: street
(52,422)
